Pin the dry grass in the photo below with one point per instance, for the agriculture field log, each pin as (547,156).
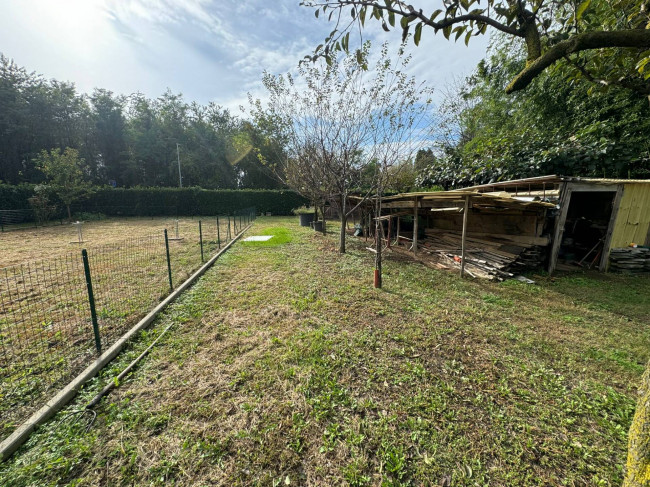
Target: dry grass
(31,244)
(285,367)
(46,334)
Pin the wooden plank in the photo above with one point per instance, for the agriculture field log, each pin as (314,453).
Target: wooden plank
(607,245)
(464,236)
(521,239)
(415,225)
(560,220)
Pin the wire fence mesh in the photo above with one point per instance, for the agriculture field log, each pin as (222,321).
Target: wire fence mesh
(48,315)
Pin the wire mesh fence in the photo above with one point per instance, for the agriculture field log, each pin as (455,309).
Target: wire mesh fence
(57,315)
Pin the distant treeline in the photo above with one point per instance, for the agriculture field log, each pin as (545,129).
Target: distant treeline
(161,201)
(126,140)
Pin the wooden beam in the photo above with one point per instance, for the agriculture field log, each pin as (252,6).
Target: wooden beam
(415,225)
(560,220)
(607,244)
(462,243)
(397,234)
(390,221)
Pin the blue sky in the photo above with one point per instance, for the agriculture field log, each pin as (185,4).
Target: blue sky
(209,50)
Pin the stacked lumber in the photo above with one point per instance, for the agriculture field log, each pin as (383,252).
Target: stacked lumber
(495,257)
(630,260)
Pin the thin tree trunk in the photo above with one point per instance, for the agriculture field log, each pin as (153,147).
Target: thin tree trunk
(378,232)
(344,221)
(69,213)
(323,214)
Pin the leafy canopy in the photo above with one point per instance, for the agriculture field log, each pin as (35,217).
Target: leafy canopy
(604,41)
(486,135)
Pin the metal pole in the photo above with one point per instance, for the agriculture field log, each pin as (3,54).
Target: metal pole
(91,301)
(169,263)
(462,244)
(178,155)
(201,240)
(218,234)
(228,235)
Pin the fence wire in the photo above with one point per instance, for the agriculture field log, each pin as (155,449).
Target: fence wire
(46,327)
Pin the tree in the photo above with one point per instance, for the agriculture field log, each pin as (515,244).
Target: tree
(108,134)
(485,135)
(64,177)
(604,41)
(337,120)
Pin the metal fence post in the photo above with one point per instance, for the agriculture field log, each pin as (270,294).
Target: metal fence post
(91,301)
(218,234)
(201,240)
(169,264)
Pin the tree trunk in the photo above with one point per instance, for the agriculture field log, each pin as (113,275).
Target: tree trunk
(638,453)
(344,221)
(379,243)
(322,210)
(69,213)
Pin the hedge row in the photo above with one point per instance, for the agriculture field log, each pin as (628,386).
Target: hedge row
(165,201)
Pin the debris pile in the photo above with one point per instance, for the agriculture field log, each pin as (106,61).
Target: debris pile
(630,260)
(496,257)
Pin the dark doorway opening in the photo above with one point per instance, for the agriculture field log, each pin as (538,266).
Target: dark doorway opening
(585,228)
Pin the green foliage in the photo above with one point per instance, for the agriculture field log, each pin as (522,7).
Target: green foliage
(130,140)
(165,201)
(603,41)
(555,128)
(64,176)
(15,197)
(303,210)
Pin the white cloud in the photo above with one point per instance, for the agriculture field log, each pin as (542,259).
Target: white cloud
(206,49)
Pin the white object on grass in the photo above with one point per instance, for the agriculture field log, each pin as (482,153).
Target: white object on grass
(258,238)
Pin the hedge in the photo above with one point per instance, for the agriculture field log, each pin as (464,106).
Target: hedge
(165,201)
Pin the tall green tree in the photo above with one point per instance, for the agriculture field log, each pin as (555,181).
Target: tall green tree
(555,128)
(108,136)
(64,177)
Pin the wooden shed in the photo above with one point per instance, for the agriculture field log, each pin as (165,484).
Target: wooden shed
(507,227)
(594,215)
(487,235)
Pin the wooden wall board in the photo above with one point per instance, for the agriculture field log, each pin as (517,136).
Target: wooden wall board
(633,221)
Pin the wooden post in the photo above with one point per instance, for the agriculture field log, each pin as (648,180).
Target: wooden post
(389,229)
(462,244)
(415,226)
(397,233)
(560,219)
(604,258)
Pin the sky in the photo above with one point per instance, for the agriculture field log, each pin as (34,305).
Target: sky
(208,50)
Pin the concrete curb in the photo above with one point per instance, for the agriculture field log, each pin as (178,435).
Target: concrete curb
(10,444)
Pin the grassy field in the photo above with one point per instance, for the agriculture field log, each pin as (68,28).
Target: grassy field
(31,244)
(285,367)
(46,334)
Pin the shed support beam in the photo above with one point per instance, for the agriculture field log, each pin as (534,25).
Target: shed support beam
(415,226)
(462,244)
(397,233)
(390,220)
